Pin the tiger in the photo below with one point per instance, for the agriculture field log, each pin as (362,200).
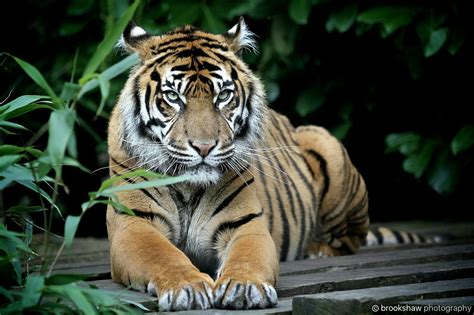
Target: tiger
(258,190)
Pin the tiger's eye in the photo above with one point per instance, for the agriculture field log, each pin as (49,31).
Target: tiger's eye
(172,96)
(224,95)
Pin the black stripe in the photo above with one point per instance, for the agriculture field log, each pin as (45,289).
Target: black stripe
(155,76)
(151,216)
(210,66)
(411,238)
(184,67)
(378,235)
(136,95)
(231,197)
(267,193)
(398,236)
(230,225)
(224,187)
(118,163)
(147,99)
(144,191)
(155,122)
(214,46)
(284,140)
(285,242)
(324,172)
(289,191)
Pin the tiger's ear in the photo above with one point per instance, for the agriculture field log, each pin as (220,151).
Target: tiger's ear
(241,38)
(135,39)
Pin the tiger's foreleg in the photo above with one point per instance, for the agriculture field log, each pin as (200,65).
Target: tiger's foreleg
(143,258)
(343,218)
(249,269)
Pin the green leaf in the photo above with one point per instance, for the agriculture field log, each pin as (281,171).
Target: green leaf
(341,130)
(32,293)
(106,46)
(391,17)
(61,279)
(343,19)
(76,295)
(110,201)
(300,10)
(74,163)
(70,228)
(145,184)
(7,160)
(406,142)
(32,185)
(104,92)
(61,126)
(417,162)
(436,41)
(309,101)
(463,140)
(9,124)
(71,147)
(69,91)
(8,110)
(39,79)
(110,73)
(445,173)
(133,174)
(25,209)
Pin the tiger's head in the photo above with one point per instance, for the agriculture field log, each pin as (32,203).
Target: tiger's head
(192,106)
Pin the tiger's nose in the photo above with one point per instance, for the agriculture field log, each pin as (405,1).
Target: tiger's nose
(203,147)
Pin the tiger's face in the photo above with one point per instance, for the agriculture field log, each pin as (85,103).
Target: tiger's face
(192,107)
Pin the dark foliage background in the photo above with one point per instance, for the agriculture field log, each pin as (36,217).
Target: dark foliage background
(389,78)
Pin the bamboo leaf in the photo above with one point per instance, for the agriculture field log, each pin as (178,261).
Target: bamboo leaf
(39,79)
(110,73)
(145,184)
(70,229)
(299,11)
(106,46)
(61,279)
(104,92)
(436,41)
(32,293)
(61,125)
(464,140)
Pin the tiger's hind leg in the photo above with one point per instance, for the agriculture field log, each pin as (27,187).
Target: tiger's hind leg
(342,218)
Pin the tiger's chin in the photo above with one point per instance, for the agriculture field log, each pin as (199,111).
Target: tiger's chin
(203,175)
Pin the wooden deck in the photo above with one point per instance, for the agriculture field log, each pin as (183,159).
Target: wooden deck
(421,278)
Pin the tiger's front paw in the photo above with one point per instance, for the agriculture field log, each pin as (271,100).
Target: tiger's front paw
(243,293)
(183,292)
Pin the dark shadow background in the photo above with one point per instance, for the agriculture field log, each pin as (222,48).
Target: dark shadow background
(360,81)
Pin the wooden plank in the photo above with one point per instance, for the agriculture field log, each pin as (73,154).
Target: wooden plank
(462,230)
(124,294)
(336,280)
(283,308)
(150,302)
(361,301)
(99,262)
(345,280)
(379,258)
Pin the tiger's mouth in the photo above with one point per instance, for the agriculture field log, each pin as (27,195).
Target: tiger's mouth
(203,174)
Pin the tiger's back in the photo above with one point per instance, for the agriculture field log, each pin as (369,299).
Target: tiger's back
(312,194)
